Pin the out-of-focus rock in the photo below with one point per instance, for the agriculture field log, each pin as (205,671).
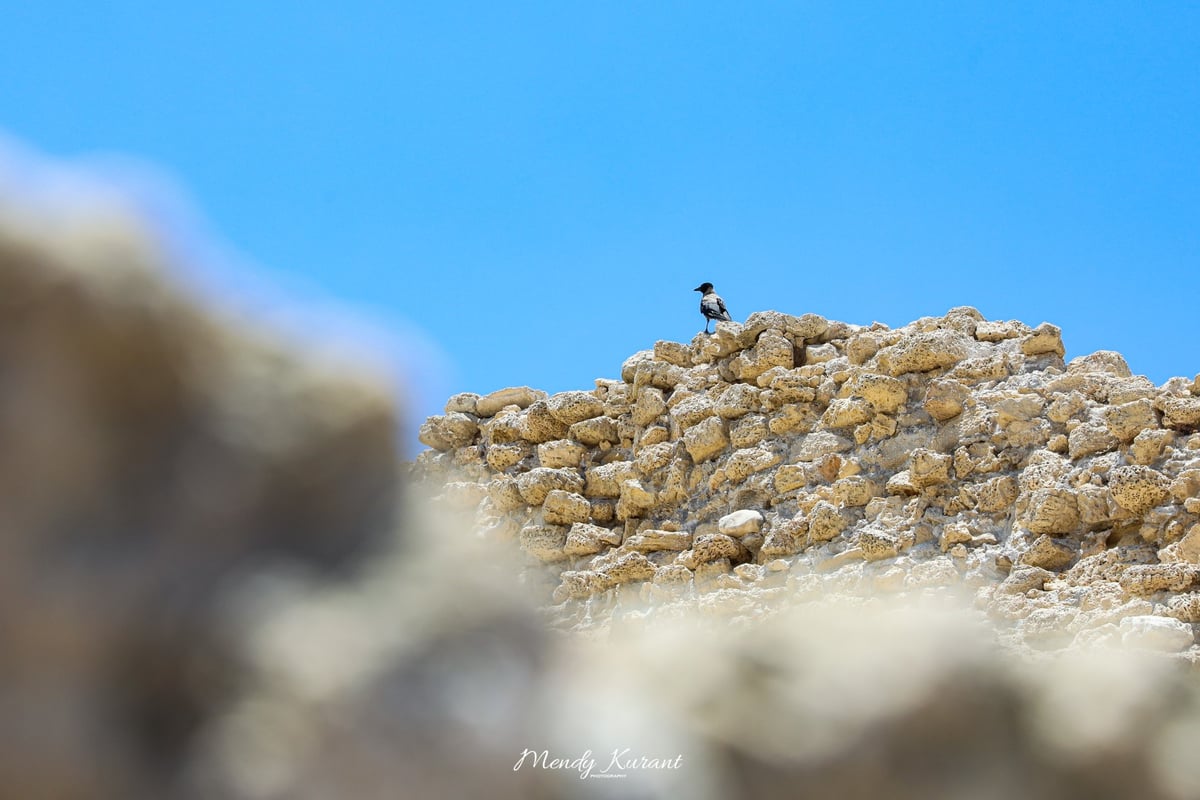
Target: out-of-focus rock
(155,454)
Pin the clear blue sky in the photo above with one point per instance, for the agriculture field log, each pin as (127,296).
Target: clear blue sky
(538,186)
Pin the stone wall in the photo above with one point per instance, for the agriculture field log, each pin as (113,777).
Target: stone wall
(786,454)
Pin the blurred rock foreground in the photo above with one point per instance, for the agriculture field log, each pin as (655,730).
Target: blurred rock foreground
(798,558)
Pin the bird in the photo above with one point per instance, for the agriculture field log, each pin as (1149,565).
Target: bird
(711,305)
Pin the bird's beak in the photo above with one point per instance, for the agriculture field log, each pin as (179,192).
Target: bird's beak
(698,289)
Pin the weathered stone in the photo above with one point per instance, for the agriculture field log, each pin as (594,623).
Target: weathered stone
(1179,413)
(1088,439)
(945,399)
(740,523)
(502,429)
(606,479)
(653,458)
(952,535)
(693,410)
(1105,362)
(854,491)
(714,546)
(629,568)
(1147,579)
(877,544)
(928,468)
(672,575)
(1126,421)
(651,541)
(902,484)
(504,494)
(846,412)
(820,353)
(924,352)
(538,425)
(649,406)
(522,396)
(448,432)
(988,331)
(564,508)
(544,542)
(886,395)
(737,401)
(706,439)
(772,350)
(540,481)
(1045,339)
(635,500)
(1148,446)
(675,353)
(821,443)
(825,522)
(503,456)
(630,366)
(747,461)
(594,432)
(561,453)
(776,545)
(571,407)
(1053,511)
(1048,553)
(996,494)
(463,402)
(790,477)
(1137,488)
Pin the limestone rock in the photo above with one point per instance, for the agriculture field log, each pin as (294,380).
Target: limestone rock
(924,352)
(1146,579)
(747,461)
(1045,339)
(649,406)
(945,399)
(629,568)
(825,522)
(706,439)
(928,468)
(1127,420)
(522,396)
(544,542)
(650,541)
(536,484)
(693,410)
(593,432)
(877,544)
(846,413)
(571,407)
(1048,553)
(606,479)
(740,523)
(675,353)
(539,425)
(885,394)
(1179,413)
(737,401)
(564,508)
(561,453)
(1053,511)
(1137,488)
(715,546)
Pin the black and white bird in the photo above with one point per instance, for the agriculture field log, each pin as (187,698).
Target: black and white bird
(711,305)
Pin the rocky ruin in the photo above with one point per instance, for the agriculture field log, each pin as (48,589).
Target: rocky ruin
(792,456)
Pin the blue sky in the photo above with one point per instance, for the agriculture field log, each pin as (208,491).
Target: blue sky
(535,188)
